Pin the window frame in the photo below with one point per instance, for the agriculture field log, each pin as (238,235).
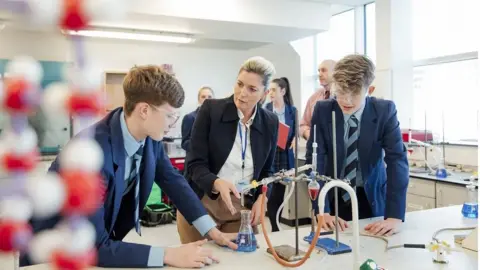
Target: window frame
(444,59)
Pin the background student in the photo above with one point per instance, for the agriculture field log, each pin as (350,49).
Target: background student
(282,106)
(187,123)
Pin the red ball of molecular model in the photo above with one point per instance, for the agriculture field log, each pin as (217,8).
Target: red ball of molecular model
(77,190)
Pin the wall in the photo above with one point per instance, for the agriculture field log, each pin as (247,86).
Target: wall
(193,67)
(287,64)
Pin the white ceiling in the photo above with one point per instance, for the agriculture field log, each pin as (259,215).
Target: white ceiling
(341,2)
(236,33)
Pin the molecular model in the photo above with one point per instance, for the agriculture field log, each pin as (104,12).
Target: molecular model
(77,190)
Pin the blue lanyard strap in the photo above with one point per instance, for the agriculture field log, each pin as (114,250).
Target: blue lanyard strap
(244,145)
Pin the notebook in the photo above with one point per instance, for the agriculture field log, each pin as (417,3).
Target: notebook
(282,135)
(471,241)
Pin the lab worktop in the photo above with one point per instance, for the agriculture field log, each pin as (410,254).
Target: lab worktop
(418,228)
(458,178)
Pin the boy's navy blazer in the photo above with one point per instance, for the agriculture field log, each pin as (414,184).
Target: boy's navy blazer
(380,143)
(112,252)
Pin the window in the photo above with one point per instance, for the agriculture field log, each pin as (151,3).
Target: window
(445,69)
(334,44)
(339,40)
(443,27)
(370,32)
(445,84)
(447,95)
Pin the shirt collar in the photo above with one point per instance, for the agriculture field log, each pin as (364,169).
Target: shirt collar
(281,111)
(250,121)
(131,145)
(358,113)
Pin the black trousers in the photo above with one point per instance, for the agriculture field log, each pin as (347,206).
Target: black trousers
(273,204)
(345,208)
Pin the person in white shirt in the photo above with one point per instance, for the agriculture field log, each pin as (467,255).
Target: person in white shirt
(233,142)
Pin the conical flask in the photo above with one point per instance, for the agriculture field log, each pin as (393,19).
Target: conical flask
(246,240)
(313,189)
(470,207)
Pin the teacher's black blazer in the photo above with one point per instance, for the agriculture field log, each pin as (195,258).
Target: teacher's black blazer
(213,135)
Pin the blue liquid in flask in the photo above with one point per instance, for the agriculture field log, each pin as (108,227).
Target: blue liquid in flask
(470,210)
(246,240)
(470,207)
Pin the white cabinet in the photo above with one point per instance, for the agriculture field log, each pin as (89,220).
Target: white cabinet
(426,194)
(420,187)
(417,203)
(448,194)
(420,194)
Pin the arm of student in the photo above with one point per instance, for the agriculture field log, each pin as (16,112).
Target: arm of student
(110,253)
(306,119)
(182,195)
(187,125)
(321,150)
(197,159)
(397,166)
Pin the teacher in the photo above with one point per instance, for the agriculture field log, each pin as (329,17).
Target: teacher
(233,142)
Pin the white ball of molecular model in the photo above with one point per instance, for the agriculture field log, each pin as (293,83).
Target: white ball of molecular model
(82,154)
(16,208)
(47,193)
(55,98)
(25,67)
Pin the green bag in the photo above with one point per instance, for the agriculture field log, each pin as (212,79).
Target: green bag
(156,212)
(155,195)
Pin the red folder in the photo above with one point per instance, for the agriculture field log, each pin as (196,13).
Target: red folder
(282,135)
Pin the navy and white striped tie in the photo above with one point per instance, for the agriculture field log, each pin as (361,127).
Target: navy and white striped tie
(351,165)
(136,157)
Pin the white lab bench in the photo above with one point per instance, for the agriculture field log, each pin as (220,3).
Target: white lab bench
(418,229)
(424,192)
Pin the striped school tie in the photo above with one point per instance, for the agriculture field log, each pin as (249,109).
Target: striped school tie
(351,164)
(137,156)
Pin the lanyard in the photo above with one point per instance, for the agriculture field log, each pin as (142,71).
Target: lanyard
(244,145)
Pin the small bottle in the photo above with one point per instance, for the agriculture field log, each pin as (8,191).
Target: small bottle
(313,189)
(246,240)
(441,172)
(470,207)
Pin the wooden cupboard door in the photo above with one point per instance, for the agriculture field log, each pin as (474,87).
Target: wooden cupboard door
(114,96)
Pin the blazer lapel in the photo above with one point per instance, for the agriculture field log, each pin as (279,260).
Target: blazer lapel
(230,118)
(148,173)
(367,126)
(339,122)
(118,155)
(289,120)
(256,132)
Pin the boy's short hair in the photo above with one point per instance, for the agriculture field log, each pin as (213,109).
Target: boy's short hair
(353,73)
(153,85)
